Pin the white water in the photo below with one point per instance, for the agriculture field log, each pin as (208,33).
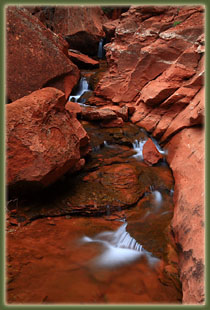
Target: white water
(108,145)
(83,87)
(119,248)
(138,147)
(100,49)
(157,197)
(160,150)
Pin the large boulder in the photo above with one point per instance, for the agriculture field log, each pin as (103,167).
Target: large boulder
(81,26)
(186,158)
(43,140)
(36,57)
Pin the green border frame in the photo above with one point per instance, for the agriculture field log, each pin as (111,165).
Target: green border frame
(2,153)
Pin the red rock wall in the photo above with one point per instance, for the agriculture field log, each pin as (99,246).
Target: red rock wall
(147,43)
(156,63)
(186,158)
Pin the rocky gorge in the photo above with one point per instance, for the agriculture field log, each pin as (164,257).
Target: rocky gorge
(72,167)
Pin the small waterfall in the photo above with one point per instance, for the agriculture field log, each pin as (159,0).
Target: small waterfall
(108,212)
(158,197)
(82,88)
(120,248)
(108,145)
(156,204)
(100,49)
(160,150)
(138,147)
(172,192)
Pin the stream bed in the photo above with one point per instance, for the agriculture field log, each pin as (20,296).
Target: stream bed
(101,236)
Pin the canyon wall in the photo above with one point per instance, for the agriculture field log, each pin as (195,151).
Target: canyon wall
(156,68)
(156,65)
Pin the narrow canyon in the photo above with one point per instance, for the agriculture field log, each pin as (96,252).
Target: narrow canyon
(105,147)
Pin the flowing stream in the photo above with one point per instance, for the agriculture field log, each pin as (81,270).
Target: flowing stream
(103,235)
(81,89)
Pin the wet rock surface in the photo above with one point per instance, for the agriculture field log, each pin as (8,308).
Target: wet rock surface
(111,177)
(83,283)
(30,48)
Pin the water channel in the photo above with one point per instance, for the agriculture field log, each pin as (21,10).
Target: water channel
(103,234)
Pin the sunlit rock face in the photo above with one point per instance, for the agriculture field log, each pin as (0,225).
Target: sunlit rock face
(43,140)
(36,56)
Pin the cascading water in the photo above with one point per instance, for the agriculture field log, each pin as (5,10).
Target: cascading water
(160,150)
(138,147)
(121,255)
(100,49)
(158,197)
(82,88)
(119,248)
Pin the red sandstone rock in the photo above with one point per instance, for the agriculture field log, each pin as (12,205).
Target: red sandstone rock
(131,108)
(150,153)
(73,107)
(123,179)
(82,60)
(44,14)
(146,45)
(109,28)
(121,112)
(95,114)
(186,159)
(97,101)
(35,56)
(118,122)
(193,114)
(43,141)
(156,92)
(81,26)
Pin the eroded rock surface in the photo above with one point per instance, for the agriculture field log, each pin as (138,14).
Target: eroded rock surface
(43,141)
(36,56)
(186,159)
(156,65)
